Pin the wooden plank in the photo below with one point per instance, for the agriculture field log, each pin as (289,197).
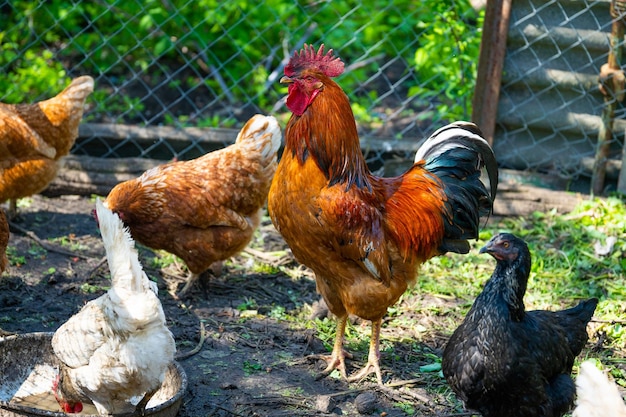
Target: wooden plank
(490,63)
(86,175)
(219,136)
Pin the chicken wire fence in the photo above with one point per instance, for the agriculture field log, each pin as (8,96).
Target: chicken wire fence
(168,72)
(551,110)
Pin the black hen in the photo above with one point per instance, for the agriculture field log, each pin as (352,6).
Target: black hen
(506,362)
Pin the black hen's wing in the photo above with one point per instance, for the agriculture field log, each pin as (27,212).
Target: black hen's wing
(552,341)
(561,336)
(477,361)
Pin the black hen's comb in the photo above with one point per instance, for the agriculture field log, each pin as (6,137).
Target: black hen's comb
(327,63)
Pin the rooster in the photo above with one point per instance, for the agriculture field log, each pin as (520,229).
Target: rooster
(207,209)
(596,395)
(115,351)
(505,361)
(364,236)
(34,137)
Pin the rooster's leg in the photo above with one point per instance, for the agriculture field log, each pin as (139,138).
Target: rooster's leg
(373,356)
(337,360)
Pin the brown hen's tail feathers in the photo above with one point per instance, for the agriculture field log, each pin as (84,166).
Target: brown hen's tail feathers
(74,95)
(257,128)
(79,88)
(456,154)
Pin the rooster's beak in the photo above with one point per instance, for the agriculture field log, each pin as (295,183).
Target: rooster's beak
(286,80)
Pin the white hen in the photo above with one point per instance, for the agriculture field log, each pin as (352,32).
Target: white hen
(115,351)
(597,396)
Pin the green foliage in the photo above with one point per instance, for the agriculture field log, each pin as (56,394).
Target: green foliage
(14,258)
(247,304)
(163,260)
(239,42)
(251,367)
(88,288)
(32,76)
(28,71)
(447,58)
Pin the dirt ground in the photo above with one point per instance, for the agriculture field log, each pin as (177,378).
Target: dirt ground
(252,362)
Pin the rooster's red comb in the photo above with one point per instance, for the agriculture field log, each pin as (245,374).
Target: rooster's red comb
(327,63)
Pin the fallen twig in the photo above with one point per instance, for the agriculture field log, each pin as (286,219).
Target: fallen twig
(185,355)
(95,268)
(613,321)
(229,411)
(269,258)
(403,383)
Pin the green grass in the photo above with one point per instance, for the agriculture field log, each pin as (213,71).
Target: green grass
(566,268)
(14,258)
(565,265)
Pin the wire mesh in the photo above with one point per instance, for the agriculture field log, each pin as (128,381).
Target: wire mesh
(550,107)
(409,70)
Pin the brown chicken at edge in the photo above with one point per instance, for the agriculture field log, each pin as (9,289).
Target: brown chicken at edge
(34,137)
(365,236)
(207,209)
(4,241)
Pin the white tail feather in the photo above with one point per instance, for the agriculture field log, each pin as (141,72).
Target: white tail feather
(126,271)
(597,396)
(437,144)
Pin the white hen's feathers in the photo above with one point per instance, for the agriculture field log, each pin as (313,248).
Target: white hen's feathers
(117,347)
(597,396)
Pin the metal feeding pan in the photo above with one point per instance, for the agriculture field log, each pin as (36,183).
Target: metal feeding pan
(28,368)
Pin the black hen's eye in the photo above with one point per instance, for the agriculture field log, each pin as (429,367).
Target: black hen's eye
(506,245)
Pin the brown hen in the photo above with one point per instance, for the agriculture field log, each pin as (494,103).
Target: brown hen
(4,241)
(207,209)
(34,137)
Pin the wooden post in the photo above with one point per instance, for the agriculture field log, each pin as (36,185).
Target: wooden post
(612,86)
(621,181)
(490,63)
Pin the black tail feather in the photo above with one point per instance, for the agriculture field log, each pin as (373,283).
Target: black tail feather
(456,154)
(577,318)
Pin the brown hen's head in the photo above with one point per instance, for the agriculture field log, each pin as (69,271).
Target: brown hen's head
(305,74)
(67,406)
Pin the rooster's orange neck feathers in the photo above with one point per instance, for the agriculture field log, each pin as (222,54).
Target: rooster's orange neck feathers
(326,131)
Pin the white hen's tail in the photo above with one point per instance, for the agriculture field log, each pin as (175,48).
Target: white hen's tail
(126,271)
(597,396)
